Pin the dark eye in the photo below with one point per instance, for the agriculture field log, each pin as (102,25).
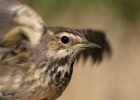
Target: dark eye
(64,39)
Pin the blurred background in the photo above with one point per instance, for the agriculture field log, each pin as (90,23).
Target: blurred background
(116,78)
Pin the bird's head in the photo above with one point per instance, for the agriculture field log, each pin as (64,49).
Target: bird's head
(62,42)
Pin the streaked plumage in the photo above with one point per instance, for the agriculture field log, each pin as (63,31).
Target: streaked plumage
(37,62)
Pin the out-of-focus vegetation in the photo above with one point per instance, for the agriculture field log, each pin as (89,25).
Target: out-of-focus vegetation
(128,10)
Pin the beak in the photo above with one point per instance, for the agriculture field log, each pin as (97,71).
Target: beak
(87,45)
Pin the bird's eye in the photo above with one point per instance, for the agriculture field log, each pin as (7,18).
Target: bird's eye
(64,39)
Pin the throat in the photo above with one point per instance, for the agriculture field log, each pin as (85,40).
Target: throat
(57,72)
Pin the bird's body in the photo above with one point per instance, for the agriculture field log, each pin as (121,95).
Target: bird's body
(39,61)
(40,74)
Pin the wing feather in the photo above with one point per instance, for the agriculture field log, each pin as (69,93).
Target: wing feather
(19,19)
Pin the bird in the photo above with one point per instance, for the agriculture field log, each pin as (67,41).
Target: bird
(36,61)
